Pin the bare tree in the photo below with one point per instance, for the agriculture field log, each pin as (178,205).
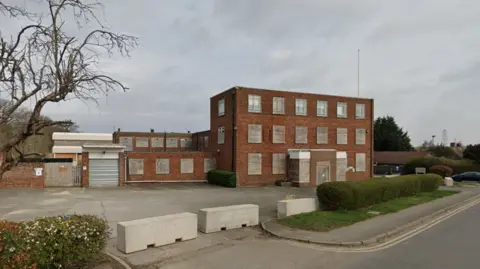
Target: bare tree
(43,63)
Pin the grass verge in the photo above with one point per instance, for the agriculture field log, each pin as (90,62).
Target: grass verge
(322,221)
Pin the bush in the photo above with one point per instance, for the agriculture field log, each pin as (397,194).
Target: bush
(59,242)
(222,178)
(357,194)
(458,166)
(441,170)
(12,254)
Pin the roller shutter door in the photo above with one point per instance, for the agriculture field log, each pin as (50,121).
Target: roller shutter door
(103,172)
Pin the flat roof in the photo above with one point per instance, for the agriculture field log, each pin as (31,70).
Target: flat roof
(82,136)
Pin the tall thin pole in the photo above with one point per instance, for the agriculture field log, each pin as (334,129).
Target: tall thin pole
(358,74)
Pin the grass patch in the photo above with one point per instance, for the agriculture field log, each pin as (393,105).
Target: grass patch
(322,221)
(466,184)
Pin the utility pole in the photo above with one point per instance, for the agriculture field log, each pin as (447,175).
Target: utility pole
(358,73)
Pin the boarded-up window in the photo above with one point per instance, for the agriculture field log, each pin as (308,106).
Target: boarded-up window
(163,166)
(360,111)
(254,133)
(205,141)
(360,136)
(278,134)
(186,143)
(186,166)
(221,135)
(254,103)
(208,164)
(221,107)
(127,142)
(172,142)
(301,107)
(341,169)
(141,142)
(135,166)
(322,135)
(341,110)
(278,105)
(322,108)
(278,163)
(301,135)
(342,136)
(157,142)
(360,162)
(254,163)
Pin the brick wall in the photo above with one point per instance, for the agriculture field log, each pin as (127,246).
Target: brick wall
(199,143)
(150,171)
(85,179)
(23,176)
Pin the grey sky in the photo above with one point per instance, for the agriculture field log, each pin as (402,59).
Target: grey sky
(420,60)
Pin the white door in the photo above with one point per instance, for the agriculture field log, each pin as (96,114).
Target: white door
(323,173)
(103,172)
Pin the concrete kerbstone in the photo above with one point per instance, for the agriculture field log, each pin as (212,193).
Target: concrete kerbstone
(287,208)
(216,219)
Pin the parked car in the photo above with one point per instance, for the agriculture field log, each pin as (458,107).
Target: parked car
(469,176)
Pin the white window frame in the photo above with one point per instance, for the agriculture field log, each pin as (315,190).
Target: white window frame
(357,133)
(360,111)
(298,103)
(343,107)
(364,164)
(297,141)
(322,112)
(254,103)
(168,166)
(221,107)
(326,135)
(276,102)
(221,135)
(250,139)
(282,140)
(249,172)
(275,157)
(346,136)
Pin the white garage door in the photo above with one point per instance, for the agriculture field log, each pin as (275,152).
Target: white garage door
(103,172)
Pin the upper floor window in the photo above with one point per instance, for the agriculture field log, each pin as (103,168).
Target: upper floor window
(360,111)
(221,107)
(322,108)
(221,135)
(254,103)
(301,107)
(278,105)
(341,110)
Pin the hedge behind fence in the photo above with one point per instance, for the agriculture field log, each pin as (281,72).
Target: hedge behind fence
(458,166)
(357,194)
(222,178)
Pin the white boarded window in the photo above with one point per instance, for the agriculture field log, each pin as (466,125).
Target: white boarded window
(278,163)
(360,136)
(254,163)
(322,135)
(254,133)
(300,135)
(341,110)
(135,166)
(360,162)
(342,136)
(301,107)
(205,141)
(157,142)
(141,142)
(278,105)
(360,111)
(221,135)
(186,143)
(127,142)
(163,166)
(254,103)
(221,107)
(278,134)
(172,142)
(186,166)
(208,164)
(322,108)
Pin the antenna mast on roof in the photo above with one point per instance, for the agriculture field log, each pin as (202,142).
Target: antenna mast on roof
(358,73)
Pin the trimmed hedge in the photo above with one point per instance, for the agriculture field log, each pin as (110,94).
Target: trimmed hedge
(441,170)
(458,166)
(357,194)
(222,178)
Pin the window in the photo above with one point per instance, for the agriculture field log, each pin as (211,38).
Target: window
(360,162)
(254,163)
(254,103)
(254,133)
(172,142)
(360,136)
(301,135)
(221,135)
(208,164)
(205,141)
(342,136)
(221,107)
(163,166)
(278,134)
(301,107)
(341,110)
(278,105)
(135,166)
(141,142)
(157,142)
(278,163)
(322,108)
(186,143)
(186,166)
(322,135)
(360,111)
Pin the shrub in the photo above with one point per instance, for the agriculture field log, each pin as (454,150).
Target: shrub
(222,178)
(458,166)
(357,194)
(12,254)
(441,170)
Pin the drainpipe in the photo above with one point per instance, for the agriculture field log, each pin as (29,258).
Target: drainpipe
(125,159)
(372,120)
(234,131)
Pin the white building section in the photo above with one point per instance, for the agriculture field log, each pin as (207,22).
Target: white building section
(67,149)
(83,136)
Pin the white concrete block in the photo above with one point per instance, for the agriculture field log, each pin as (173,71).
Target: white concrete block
(139,234)
(227,217)
(448,181)
(287,208)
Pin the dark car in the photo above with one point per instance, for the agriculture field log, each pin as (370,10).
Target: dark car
(467,176)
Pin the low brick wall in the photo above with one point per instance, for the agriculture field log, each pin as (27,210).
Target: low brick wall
(23,176)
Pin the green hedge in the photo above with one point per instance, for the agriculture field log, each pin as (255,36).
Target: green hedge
(74,241)
(222,178)
(458,166)
(357,194)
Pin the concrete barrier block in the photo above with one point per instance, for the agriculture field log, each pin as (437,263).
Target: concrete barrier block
(140,234)
(448,181)
(287,208)
(227,217)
